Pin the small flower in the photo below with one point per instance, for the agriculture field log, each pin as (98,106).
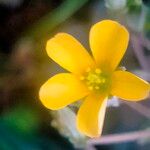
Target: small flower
(92,79)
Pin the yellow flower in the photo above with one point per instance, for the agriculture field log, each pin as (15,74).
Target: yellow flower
(92,79)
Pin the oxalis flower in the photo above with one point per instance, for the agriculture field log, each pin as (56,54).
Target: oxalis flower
(93,79)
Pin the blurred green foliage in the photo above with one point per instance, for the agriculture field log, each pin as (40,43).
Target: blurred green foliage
(19,130)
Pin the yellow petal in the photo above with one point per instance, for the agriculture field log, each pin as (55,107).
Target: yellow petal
(91,115)
(128,86)
(69,53)
(108,42)
(61,90)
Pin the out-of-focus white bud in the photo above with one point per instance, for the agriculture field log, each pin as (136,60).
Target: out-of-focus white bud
(65,122)
(113,102)
(115,4)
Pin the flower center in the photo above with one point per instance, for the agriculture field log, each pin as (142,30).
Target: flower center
(96,80)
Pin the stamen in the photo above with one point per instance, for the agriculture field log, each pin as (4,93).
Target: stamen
(103,80)
(98,71)
(90,88)
(99,81)
(97,87)
(96,80)
(82,78)
(88,69)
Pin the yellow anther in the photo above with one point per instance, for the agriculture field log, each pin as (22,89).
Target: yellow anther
(82,78)
(98,71)
(88,69)
(99,81)
(95,79)
(96,87)
(90,88)
(103,80)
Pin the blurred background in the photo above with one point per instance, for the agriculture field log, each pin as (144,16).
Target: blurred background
(25,26)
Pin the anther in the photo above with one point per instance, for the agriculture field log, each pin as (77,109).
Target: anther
(103,80)
(96,87)
(90,88)
(88,69)
(99,81)
(98,71)
(82,78)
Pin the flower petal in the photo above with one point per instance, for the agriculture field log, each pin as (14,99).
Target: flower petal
(61,90)
(128,86)
(108,41)
(91,115)
(69,53)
